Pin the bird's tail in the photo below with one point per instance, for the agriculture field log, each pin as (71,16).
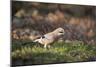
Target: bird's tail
(37,40)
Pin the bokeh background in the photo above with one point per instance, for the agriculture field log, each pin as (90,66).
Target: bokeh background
(78,21)
(31,20)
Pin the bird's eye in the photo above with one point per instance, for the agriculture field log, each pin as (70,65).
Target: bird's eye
(60,32)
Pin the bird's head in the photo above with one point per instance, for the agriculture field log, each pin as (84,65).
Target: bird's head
(59,31)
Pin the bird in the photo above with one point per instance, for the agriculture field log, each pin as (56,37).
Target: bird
(50,37)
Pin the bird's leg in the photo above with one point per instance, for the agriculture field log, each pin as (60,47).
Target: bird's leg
(49,46)
(45,45)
